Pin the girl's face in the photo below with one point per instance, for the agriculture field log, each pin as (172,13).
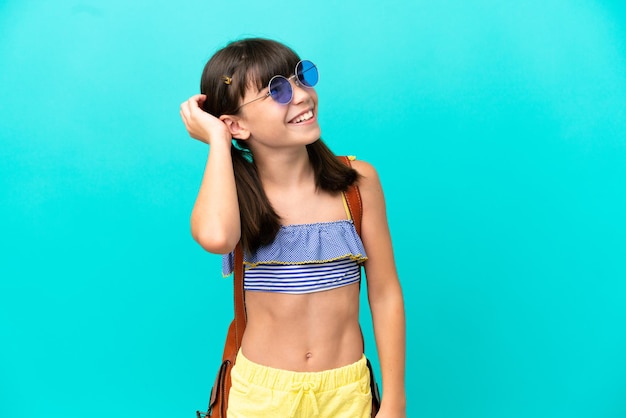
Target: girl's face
(273,125)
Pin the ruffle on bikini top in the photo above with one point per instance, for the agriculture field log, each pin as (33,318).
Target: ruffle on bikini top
(305,244)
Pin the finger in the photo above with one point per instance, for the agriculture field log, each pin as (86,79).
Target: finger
(193,100)
(184,111)
(185,104)
(197,99)
(186,117)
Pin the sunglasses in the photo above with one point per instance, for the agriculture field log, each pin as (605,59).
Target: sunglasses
(280,89)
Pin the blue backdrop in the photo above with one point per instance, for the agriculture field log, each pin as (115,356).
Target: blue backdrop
(498,129)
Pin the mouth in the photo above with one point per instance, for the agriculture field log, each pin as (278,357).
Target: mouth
(302,117)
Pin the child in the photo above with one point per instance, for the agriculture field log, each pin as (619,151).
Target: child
(271,183)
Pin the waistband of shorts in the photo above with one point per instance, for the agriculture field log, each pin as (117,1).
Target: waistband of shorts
(280,379)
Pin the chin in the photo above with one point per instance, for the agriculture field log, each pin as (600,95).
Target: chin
(314,138)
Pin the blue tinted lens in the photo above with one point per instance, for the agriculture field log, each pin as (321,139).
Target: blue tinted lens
(307,73)
(280,89)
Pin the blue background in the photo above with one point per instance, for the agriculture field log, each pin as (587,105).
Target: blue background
(498,129)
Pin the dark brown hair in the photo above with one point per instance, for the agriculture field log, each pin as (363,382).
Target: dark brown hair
(253,62)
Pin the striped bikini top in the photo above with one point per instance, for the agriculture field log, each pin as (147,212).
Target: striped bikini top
(304,258)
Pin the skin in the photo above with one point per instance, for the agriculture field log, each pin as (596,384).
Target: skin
(315,331)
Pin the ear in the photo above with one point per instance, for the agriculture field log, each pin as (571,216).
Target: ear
(236,128)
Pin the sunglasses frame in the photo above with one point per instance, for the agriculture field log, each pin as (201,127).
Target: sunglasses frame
(288,79)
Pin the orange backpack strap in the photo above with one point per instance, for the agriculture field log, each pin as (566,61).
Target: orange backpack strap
(353,198)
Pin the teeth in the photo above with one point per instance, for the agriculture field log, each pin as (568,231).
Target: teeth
(304,117)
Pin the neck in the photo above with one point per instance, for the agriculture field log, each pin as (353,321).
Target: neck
(284,169)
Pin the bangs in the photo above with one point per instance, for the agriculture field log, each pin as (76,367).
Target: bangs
(262,59)
(261,72)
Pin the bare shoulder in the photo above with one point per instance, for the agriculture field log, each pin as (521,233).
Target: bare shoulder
(369,180)
(363,167)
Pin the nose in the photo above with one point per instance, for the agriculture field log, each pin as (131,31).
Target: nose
(301,93)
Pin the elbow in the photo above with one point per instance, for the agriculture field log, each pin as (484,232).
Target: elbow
(215,242)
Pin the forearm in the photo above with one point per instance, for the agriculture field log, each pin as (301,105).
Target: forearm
(215,223)
(390,332)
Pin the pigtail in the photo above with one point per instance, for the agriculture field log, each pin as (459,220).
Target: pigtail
(259,221)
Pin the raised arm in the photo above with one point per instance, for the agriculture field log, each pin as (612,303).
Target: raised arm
(215,221)
(384,292)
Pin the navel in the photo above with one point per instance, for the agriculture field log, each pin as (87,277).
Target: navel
(309,355)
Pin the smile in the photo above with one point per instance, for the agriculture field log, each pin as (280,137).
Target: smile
(303,117)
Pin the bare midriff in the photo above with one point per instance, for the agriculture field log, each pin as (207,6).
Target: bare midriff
(304,333)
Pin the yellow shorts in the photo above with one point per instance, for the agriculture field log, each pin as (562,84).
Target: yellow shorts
(264,392)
